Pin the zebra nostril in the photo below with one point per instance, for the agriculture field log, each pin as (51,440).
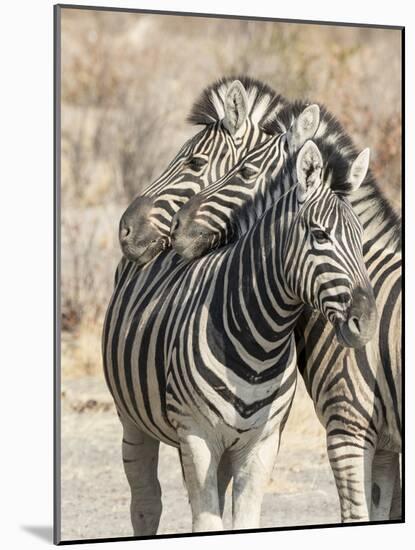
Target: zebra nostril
(124,232)
(344,298)
(354,325)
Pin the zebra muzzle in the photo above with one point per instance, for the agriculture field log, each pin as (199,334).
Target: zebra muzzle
(360,325)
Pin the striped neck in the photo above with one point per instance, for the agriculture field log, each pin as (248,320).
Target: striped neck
(382,226)
(256,297)
(279,182)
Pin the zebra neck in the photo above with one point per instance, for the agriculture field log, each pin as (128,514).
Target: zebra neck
(382,226)
(272,191)
(281,183)
(257,298)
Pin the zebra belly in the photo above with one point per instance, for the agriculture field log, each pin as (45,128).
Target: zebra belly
(138,390)
(134,369)
(387,350)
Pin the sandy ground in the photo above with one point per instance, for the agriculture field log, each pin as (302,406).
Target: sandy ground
(95,494)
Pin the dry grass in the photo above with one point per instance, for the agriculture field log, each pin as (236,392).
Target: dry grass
(128,81)
(95,493)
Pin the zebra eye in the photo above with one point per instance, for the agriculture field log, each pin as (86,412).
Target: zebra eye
(321,236)
(196,163)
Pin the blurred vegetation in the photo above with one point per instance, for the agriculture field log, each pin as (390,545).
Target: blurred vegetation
(128,82)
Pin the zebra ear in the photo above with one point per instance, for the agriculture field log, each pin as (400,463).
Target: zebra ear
(358,169)
(303,128)
(236,107)
(308,167)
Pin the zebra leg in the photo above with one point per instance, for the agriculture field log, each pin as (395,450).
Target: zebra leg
(383,481)
(396,507)
(200,462)
(251,473)
(140,454)
(351,463)
(224,477)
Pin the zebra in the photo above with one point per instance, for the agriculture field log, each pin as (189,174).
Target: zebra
(147,490)
(201,355)
(356,392)
(233,112)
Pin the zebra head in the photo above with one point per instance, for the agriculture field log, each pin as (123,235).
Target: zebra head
(213,217)
(233,113)
(323,253)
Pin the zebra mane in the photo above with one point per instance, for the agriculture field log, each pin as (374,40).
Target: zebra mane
(263,101)
(338,151)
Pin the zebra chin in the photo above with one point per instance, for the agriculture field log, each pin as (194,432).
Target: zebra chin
(142,254)
(191,249)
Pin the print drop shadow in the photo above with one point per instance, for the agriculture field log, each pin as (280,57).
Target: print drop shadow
(43,532)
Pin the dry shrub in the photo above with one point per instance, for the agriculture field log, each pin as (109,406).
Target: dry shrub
(81,350)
